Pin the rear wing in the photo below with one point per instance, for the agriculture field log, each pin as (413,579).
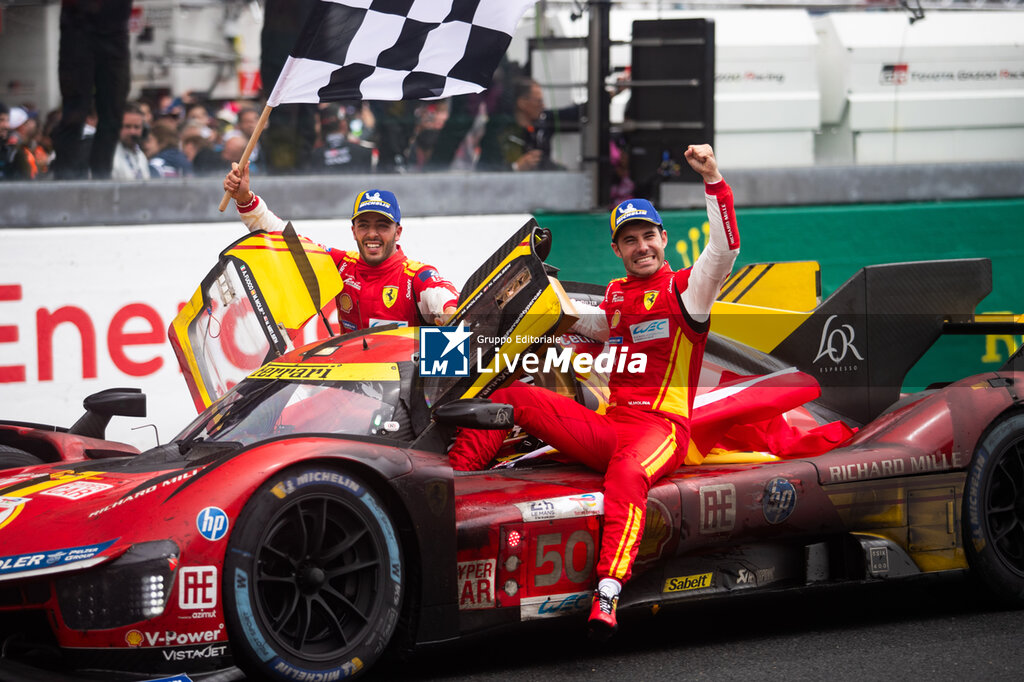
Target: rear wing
(861,341)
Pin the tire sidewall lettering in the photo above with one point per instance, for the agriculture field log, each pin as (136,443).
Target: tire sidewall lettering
(1002,576)
(275,494)
(974,500)
(247,619)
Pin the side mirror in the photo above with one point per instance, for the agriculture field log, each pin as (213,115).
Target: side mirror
(100,407)
(475,413)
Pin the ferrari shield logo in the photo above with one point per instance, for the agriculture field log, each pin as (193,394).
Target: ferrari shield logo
(649,298)
(437,495)
(390,295)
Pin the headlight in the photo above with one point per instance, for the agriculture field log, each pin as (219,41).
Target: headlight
(131,588)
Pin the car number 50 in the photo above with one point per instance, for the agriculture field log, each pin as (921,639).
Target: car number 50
(552,552)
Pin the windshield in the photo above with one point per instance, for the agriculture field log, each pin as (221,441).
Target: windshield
(258,409)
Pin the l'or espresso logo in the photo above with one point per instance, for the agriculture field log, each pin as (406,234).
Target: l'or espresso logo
(838,344)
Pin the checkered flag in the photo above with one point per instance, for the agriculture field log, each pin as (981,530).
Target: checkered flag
(390,50)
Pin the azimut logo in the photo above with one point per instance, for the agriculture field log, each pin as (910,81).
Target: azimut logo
(836,342)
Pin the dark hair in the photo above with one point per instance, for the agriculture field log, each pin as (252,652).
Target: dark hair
(246,109)
(522,87)
(166,135)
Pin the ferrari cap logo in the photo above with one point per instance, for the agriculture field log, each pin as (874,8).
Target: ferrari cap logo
(390,295)
(649,298)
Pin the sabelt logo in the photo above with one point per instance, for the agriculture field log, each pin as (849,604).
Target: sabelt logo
(686,583)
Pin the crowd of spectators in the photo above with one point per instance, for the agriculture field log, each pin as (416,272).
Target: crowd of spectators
(176,137)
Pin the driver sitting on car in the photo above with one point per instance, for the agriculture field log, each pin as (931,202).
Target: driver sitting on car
(645,432)
(381,285)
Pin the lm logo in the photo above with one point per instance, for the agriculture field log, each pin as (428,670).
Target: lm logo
(444,351)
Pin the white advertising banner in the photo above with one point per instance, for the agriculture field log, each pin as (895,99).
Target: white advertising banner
(83,309)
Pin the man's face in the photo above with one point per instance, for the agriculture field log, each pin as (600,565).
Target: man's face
(233,149)
(131,129)
(376,236)
(532,104)
(641,246)
(247,122)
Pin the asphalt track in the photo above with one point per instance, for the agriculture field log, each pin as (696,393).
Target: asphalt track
(931,631)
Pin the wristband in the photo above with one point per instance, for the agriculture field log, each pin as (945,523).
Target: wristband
(251,201)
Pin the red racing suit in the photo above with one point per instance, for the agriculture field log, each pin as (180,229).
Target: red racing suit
(398,290)
(644,433)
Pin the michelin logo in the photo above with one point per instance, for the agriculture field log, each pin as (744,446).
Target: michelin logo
(444,351)
(373,199)
(627,212)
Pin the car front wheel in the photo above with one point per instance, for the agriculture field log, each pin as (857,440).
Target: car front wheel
(13,457)
(313,577)
(993,511)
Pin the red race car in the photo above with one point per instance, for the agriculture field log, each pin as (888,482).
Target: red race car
(308,520)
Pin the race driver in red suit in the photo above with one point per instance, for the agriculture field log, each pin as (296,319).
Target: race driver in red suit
(644,434)
(381,285)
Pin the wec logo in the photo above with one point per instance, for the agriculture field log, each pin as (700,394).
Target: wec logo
(649,330)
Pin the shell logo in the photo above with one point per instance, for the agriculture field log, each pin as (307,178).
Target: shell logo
(133,638)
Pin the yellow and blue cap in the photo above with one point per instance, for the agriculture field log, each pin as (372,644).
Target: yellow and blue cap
(634,209)
(377,201)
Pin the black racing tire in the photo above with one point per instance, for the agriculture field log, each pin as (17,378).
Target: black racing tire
(313,577)
(993,511)
(11,458)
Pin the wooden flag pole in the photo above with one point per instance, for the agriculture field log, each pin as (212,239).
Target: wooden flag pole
(260,125)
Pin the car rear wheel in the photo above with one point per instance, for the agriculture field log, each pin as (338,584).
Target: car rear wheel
(993,511)
(313,578)
(13,457)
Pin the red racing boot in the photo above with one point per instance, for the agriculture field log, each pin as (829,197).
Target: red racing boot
(602,624)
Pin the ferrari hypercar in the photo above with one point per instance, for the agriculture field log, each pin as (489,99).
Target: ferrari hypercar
(307,522)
